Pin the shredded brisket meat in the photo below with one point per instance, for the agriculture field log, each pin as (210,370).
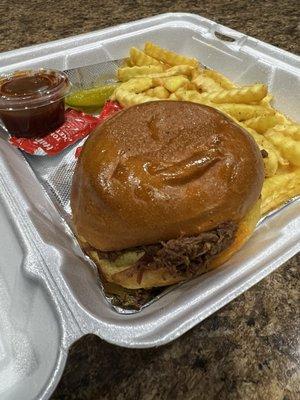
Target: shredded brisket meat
(185,254)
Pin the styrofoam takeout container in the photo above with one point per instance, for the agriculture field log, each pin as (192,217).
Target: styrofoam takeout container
(49,294)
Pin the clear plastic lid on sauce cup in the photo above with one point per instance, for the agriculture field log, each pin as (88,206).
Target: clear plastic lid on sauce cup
(32,102)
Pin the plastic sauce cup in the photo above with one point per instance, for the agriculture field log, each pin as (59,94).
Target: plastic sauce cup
(32,102)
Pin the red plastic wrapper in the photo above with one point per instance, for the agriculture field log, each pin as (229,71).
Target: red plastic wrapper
(111,107)
(77,125)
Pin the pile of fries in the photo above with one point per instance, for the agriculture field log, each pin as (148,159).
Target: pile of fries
(159,74)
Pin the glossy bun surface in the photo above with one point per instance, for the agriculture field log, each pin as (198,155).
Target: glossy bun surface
(160,170)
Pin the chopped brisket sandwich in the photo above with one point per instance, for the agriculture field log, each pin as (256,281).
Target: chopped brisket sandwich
(164,191)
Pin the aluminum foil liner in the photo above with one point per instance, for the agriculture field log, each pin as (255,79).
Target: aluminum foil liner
(94,75)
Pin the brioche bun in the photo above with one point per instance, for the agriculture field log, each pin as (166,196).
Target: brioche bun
(163,170)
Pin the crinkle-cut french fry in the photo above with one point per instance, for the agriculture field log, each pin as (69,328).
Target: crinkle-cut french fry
(173,83)
(245,111)
(195,97)
(159,91)
(267,143)
(206,84)
(158,81)
(292,130)
(219,78)
(126,73)
(190,86)
(126,98)
(129,93)
(126,63)
(284,118)
(191,95)
(173,97)
(196,72)
(177,70)
(137,85)
(280,188)
(168,57)
(264,122)
(267,100)
(271,161)
(288,147)
(138,57)
(246,94)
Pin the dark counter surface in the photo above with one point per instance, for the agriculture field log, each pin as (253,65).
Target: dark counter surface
(250,348)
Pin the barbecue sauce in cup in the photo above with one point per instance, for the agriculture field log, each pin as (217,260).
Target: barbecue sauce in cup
(32,102)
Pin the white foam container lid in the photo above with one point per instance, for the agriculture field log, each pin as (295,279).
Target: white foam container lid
(49,295)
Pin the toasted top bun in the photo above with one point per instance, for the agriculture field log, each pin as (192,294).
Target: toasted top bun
(161,170)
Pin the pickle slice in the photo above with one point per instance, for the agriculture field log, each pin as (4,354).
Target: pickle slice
(92,98)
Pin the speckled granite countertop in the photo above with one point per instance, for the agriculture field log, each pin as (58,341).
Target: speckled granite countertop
(250,348)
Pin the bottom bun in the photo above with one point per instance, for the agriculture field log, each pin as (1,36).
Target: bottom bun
(127,272)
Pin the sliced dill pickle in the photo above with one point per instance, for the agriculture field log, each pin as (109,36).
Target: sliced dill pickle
(92,98)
